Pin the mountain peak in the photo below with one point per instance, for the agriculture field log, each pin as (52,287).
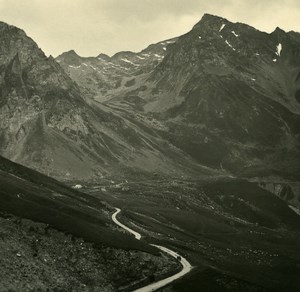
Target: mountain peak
(72,57)
(3,24)
(103,56)
(279,34)
(210,20)
(71,52)
(278,30)
(208,16)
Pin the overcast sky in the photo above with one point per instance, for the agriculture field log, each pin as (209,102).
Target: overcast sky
(91,27)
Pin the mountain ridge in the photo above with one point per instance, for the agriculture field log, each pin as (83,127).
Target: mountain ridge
(221,98)
(48,124)
(218,67)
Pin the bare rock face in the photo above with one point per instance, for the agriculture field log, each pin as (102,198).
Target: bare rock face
(35,94)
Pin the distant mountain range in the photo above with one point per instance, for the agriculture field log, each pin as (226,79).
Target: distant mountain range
(222,99)
(102,76)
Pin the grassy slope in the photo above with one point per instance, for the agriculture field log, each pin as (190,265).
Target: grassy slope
(29,194)
(248,201)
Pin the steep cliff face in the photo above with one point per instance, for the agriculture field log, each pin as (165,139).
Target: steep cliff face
(35,94)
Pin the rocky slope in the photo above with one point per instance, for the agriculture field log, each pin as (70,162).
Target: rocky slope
(227,95)
(34,257)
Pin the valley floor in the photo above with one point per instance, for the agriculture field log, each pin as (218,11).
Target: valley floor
(238,236)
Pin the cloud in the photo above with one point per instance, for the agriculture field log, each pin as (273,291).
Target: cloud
(108,26)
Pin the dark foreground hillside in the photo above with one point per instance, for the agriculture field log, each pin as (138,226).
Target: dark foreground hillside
(36,258)
(29,194)
(54,237)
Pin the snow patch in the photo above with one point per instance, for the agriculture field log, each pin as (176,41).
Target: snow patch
(84,64)
(75,67)
(199,37)
(93,67)
(164,48)
(158,56)
(141,58)
(116,66)
(222,27)
(235,34)
(279,49)
(77,187)
(227,42)
(253,79)
(274,60)
(129,62)
(257,54)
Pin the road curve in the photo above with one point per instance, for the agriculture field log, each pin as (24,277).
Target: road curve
(186,266)
(114,218)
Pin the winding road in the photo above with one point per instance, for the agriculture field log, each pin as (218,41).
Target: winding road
(186,266)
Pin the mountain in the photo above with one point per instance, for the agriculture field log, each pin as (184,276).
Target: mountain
(231,92)
(223,98)
(102,77)
(227,95)
(219,101)
(48,124)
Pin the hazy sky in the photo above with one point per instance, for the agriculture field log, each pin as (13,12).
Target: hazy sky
(91,27)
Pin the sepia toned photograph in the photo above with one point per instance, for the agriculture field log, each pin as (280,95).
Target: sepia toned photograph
(149,145)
